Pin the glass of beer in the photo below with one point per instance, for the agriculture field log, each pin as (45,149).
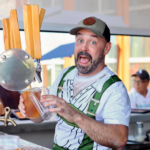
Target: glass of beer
(9,142)
(35,97)
(31,110)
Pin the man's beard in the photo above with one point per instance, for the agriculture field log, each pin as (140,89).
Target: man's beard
(94,63)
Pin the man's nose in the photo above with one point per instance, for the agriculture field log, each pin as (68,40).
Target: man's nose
(136,84)
(84,47)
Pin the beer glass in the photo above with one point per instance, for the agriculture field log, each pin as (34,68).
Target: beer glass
(35,97)
(9,142)
(31,111)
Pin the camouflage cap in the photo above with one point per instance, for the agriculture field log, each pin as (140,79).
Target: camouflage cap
(95,25)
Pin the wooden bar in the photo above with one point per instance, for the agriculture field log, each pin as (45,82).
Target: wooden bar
(27,19)
(15,29)
(11,34)
(6,33)
(36,32)
(41,15)
(33,17)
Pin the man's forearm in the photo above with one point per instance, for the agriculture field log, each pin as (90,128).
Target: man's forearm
(114,136)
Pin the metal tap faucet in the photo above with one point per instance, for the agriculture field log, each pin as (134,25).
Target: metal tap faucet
(38,71)
(6,117)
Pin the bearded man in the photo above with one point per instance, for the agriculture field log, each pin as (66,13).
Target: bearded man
(92,104)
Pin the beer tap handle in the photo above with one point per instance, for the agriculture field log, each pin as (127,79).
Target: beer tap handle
(38,71)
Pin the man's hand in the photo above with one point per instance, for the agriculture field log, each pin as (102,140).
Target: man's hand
(62,107)
(21,106)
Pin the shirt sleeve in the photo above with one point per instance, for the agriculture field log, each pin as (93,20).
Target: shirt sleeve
(117,106)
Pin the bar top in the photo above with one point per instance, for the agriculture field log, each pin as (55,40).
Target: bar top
(135,117)
(27,126)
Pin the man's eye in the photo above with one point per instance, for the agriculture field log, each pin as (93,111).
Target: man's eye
(93,42)
(80,41)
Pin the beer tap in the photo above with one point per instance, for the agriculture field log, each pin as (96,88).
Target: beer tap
(38,71)
(17,68)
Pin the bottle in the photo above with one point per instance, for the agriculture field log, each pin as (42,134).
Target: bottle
(139,133)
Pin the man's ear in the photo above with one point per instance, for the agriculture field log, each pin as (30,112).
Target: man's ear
(107,48)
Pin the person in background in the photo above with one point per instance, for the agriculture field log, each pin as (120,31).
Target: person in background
(8,98)
(93,107)
(140,94)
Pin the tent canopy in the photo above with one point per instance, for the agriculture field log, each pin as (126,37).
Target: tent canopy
(66,50)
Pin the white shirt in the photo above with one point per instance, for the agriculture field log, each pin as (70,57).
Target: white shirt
(138,100)
(81,82)
(114,106)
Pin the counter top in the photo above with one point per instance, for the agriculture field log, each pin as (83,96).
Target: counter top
(38,133)
(135,117)
(27,126)
(29,130)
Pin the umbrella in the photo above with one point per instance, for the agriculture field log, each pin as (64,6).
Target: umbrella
(66,50)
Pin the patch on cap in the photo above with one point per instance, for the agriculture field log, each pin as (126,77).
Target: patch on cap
(89,21)
(140,71)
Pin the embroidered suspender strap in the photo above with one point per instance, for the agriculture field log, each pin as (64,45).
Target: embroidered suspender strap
(87,142)
(62,79)
(94,102)
(60,87)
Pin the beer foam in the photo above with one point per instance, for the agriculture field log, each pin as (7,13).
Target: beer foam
(28,89)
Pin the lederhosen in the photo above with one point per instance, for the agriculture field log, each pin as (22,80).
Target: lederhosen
(87,143)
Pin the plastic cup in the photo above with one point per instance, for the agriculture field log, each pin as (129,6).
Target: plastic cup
(35,97)
(9,142)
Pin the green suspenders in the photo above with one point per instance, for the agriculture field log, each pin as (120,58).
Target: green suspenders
(94,102)
(87,143)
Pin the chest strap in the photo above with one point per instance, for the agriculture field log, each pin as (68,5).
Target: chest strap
(95,101)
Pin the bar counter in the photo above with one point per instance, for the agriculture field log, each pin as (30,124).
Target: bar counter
(43,133)
(39,133)
(25,145)
(135,117)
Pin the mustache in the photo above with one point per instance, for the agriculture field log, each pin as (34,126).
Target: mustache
(85,54)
